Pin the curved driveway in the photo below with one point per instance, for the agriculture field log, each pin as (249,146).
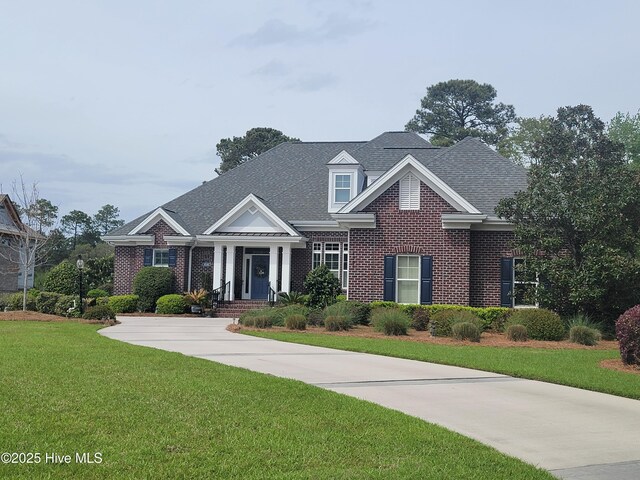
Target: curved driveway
(573,433)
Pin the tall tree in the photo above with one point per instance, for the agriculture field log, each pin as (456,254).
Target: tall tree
(76,223)
(237,150)
(107,219)
(519,144)
(454,109)
(625,128)
(577,224)
(43,213)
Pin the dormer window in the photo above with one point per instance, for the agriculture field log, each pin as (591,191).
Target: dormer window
(342,189)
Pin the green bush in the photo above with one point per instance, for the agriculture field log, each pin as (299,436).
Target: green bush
(277,315)
(173,303)
(46,302)
(63,278)
(262,321)
(390,321)
(97,292)
(102,301)
(15,300)
(315,318)
(339,309)
(99,312)
(582,320)
(292,298)
(246,319)
(68,306)
(361,312)
(442,321)
(150,283)
(465,331)
(541,324)
(584,335)
(517,333)
(420,320)
(123,303)
(322,286)
(336,323)
(4,300)
(295,322)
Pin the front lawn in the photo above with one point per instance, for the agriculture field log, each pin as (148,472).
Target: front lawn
(155,414)
(574,367)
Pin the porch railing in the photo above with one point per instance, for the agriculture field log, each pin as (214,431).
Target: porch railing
(221,295)
(273,296)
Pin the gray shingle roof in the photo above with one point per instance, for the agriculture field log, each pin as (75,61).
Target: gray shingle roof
(292,178)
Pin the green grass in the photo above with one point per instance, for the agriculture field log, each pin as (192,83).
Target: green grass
(573,367)
(156,414)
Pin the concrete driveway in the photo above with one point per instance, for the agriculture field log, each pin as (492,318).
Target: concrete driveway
(574,433)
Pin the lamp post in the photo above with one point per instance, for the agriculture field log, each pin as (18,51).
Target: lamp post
(80,265)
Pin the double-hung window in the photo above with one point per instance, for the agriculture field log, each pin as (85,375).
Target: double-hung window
(161,257)
(332,257)
(408,279)
(335,256)
(342,188)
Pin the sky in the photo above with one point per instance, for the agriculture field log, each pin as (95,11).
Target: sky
(123,102)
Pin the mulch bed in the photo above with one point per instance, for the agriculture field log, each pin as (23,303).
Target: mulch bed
(616,364)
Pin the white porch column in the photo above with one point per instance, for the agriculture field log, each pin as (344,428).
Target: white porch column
(217,265)
(273,267)
(286,268)
(230,270)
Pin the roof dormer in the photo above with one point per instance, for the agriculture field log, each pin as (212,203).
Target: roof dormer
(346,180)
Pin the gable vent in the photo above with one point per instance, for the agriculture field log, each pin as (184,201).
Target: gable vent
(409,192)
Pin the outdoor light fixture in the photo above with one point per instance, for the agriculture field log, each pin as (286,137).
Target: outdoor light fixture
(80,265)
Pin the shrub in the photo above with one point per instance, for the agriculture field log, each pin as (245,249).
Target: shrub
(628,334)
(15,300)
(442,321)
(63,278)
(339,309)
(291,298)
(123,303)
(465,331)
(150,283)
(102,301)
(420,319)
(315,318)
(584,335)
(171,304)
(262,321)
(197,297)
(323,287)
(582,320)
(335,323)
(277,315)
(295,322)
(97,292)
(541,324)
(99,312)
(4,300)
(390,321)
(517,333)
(46,302)
(68,306)
(361,312)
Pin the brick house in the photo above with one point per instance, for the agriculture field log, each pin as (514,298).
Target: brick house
(394,218)
(11,257)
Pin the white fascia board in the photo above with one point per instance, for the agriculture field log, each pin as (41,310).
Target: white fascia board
(154,218)
(407,164)
(178,240)
(124,240)
(240,240)
(251,198)
(355,220)
(343,158)
(317,226)
(460,221)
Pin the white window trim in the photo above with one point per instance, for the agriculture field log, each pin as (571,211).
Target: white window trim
(514,282)
(323,259)
(161,265)
(344,279)
(399,280)
(353,187)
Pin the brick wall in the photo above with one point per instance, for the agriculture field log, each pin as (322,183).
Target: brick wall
(487,248)
(129,260)
(301,260)
(410,231)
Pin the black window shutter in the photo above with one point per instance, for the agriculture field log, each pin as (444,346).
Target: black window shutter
(390,278)
(148,257)
(173,256)
(426,280)
(506,281)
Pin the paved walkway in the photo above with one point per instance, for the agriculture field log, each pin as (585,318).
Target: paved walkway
(576,434)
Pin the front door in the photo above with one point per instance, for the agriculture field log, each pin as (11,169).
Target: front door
(260,277)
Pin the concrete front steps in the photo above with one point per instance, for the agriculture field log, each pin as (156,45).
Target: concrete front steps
(237,307)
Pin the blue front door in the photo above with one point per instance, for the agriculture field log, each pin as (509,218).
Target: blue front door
(260,277)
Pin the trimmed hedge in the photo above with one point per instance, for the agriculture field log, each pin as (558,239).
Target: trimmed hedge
(173,303)
(97,292)
(99,312)
(14,302)
(46,302)
(123,303)
(628,334)
(542,324)
(493,318)
(151,283)
(66,303)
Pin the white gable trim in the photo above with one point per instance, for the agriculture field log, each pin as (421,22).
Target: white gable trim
(244,205)
(154,218)
(343,158)
(409,164)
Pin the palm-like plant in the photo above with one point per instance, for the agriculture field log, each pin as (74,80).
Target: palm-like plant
(196,297)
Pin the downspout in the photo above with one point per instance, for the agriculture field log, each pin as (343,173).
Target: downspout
(195,242)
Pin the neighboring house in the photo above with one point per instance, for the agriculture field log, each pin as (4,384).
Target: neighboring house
(394,218)
(11,263)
